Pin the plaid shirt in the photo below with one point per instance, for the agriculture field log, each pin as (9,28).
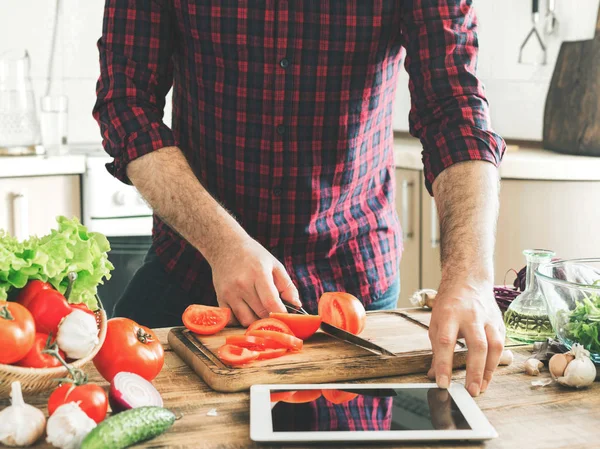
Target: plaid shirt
(283,110)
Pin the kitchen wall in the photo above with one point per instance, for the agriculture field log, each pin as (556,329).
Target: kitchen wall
(516,92)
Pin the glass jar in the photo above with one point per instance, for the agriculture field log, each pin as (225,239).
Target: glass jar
(19,126)
(526,318)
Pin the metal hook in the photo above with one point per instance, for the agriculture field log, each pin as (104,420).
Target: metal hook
(535,15)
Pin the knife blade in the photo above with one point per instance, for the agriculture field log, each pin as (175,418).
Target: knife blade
(354,339)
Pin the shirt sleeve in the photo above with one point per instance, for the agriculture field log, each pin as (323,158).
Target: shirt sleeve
(136,73)
(449,111)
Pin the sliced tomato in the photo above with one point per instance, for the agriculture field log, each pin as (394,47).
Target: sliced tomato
(252,343)
(271,353)
(277,396)
(206,320)
(303,326)
(343,310)
(304,396)
(338,396)
(283,340)
(270,324)
(234,355)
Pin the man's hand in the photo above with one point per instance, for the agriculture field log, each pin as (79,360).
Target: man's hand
(470,313)
(467,200)
(250,281)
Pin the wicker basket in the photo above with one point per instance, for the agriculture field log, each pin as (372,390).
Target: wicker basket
(37,380)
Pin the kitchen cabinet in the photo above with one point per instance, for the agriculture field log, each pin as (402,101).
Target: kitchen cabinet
(29,205)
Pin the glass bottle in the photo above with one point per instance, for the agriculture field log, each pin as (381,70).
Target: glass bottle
(527,319)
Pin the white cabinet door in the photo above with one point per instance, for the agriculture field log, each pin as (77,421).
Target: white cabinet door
(29,205)
(431,273)
(408,194)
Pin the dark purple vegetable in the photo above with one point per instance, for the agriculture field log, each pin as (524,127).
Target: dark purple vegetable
(129,390)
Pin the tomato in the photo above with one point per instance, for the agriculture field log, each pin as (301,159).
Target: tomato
(277,396)
(129,347)
(304,396)
(91,398)
(32,288)
(338,396)
(271,353)
(269,324)
(234,355)
(82,306)
(252,343)
(17,332)
(36,359)
(206,320)
(48,307)
(344,311)
(303,326)
(282,340)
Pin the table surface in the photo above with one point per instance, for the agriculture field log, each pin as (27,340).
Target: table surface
(524,416)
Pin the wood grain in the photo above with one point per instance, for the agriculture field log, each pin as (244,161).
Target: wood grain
(323,358)
(572,112)
(525,417)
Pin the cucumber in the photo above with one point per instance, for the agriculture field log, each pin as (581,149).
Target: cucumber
(128,428)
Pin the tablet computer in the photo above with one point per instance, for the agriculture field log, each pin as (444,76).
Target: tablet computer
(365,412)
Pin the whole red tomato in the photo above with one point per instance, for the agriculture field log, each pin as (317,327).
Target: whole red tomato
(35,358)
(129,347)
(48,306)
(92,399)
(17,332)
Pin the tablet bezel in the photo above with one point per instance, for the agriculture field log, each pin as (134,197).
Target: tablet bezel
(261,429)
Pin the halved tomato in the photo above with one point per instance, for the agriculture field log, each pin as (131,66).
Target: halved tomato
(304,396)
(269,324)
(234,355)
(283,340)
(303,326)
(252,343)
(338,396)
(271,353)
(205,320)
(277,396)
(343,310)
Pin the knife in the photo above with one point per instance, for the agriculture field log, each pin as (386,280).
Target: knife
(341,334)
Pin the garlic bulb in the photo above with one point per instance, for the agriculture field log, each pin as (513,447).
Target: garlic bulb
(68,426)
(423,298)
(77,334)
(580,372)
(558,364)
(20,424)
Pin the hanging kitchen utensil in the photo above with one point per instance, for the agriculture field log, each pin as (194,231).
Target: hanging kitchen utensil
(535,17)
(550,22)
(572,112)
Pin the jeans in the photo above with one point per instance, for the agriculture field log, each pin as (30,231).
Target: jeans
(153,299)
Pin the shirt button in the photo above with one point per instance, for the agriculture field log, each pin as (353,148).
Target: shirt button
(277,191)
(281,130)
(284,63)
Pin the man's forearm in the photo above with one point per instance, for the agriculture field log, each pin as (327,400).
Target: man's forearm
(467,201)
(166,181)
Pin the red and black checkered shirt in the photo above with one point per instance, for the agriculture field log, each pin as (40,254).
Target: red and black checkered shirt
(284,110)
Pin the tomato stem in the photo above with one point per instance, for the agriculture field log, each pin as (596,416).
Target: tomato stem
(78,377)
(142,336)
(5,313)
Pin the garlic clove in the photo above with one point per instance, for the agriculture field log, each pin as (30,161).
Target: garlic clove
(533,366)
(558,364)
(507,358)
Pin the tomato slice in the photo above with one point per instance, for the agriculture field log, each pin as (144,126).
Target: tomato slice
(304,396)
(270,324)
(338,396)
(283,340)
(234,355)
(343,310)
(252,343)
(277,396)
(303,326)
(271,353)
(206,320)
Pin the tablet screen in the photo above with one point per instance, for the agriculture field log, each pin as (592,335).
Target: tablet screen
(365,410)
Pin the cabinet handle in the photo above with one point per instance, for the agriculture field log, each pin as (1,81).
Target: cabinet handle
(406,234)
(435,227)
(20,215)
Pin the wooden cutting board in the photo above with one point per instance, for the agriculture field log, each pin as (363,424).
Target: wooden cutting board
(572,112)
(323,358)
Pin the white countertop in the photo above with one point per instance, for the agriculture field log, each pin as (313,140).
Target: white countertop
(18,166)
(518,162)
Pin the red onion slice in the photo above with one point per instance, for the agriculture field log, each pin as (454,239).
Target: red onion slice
(128,390)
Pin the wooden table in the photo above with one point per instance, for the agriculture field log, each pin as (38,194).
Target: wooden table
(524,416)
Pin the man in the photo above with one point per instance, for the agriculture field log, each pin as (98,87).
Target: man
(276,179)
